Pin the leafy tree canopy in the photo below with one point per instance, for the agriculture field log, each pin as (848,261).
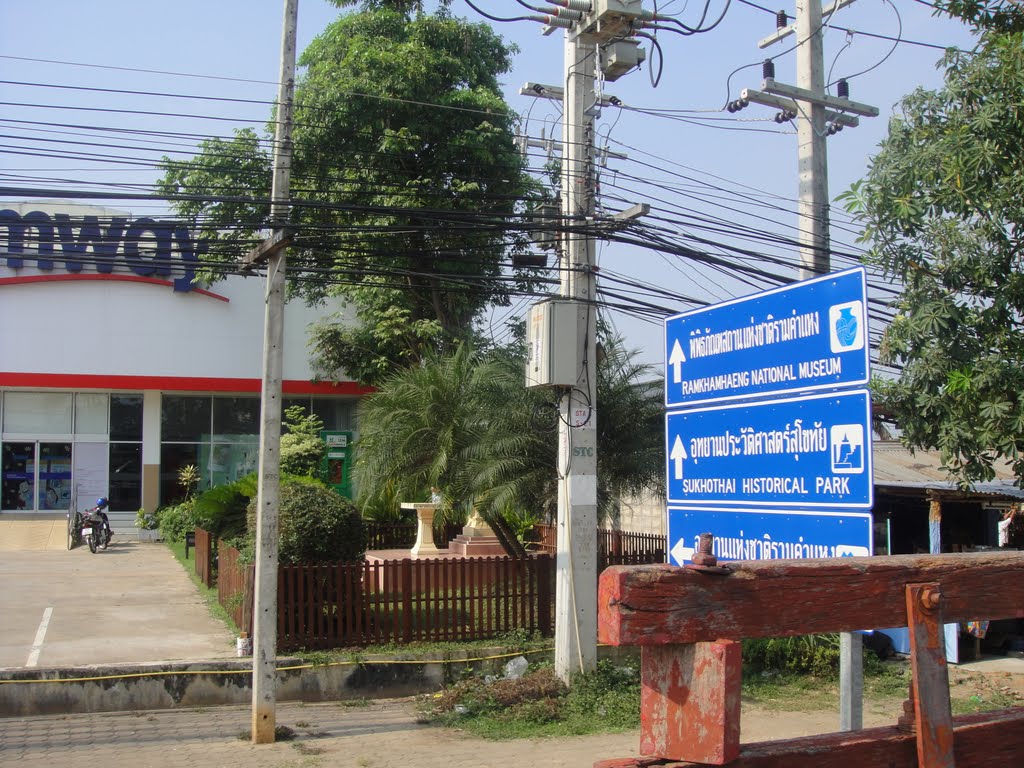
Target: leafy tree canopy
(942,208)
(404,176)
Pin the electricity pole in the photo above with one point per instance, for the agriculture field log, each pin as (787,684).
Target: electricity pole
(598,36)
(264,654)
(813,209)
(576,558)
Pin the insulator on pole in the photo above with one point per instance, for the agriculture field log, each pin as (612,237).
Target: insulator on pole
(781,19)
(843,88)
(768,69)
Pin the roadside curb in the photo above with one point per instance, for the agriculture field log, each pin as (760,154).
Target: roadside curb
(216,682)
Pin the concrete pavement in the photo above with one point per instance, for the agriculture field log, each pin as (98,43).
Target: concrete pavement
(130,603)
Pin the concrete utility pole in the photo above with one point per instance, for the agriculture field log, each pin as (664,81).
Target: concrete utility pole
(812,149)
(598,36)
(817,115)
(264,654)
(576,558)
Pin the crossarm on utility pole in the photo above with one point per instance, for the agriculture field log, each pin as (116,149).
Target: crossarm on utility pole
(263,252)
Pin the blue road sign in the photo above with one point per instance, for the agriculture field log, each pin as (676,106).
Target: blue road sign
(807,336)
(808,452)
(749,534)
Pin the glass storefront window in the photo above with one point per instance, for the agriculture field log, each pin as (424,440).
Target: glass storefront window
(126,417)
(91,413)
(47,413)
(125,486)
(54,476)
(336,414)
(226,462)
(17,486)
(185,418)
(173,458)
(236,416)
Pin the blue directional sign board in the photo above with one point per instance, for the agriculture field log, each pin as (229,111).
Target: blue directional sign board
(807,336)
(809,452)
(749,534)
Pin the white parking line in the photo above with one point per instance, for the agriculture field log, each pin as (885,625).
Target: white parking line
(37,646)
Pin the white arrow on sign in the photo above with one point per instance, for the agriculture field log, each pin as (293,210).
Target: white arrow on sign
(677,455)
(681,553)
(676,360)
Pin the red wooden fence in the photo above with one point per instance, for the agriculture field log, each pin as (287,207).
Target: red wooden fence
(397,601)
(235,583)
(204,556)
(613,547)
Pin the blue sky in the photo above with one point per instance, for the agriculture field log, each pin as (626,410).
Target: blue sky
(695,166)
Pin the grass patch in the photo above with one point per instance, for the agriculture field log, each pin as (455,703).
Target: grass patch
(538,704)
(208,594)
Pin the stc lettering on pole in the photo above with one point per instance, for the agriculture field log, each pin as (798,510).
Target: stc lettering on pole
(808,336)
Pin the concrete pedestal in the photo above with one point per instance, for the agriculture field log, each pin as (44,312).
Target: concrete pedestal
(477,539)
(424,546)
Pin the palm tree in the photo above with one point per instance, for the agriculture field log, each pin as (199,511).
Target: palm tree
(466,423)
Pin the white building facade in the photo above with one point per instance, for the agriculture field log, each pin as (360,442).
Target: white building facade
(116,370)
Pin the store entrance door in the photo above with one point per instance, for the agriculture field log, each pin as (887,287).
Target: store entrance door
(35,476)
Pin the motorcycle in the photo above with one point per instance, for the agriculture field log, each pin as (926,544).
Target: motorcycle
(95,527)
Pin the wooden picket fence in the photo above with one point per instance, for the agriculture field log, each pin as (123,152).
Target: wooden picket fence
(204,553)
(613,547)
(396,601)
(403,535)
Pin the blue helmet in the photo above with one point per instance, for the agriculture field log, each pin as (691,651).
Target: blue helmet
(102,502)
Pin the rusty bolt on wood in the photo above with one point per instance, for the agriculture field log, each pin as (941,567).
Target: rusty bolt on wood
(704,558)
(930,598)
(705,554)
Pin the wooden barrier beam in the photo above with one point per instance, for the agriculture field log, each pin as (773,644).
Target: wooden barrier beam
(660,604)
(986,740)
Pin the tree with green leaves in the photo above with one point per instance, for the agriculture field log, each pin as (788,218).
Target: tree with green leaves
(405,177)
(466,423)
(302,448)
(942,209)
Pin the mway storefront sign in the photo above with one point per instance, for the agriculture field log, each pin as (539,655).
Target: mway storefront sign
(145,247)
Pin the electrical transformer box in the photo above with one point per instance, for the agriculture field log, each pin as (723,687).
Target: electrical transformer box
(552,336)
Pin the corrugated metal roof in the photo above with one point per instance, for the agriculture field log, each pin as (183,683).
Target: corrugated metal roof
(895,466)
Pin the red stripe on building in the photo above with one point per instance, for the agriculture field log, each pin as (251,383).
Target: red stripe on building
(25,279)
(175,383)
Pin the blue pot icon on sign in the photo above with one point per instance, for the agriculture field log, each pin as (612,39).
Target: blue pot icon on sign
(846,326)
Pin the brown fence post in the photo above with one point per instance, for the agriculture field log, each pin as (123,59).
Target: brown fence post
(544,572)
(248,598)
(407,602)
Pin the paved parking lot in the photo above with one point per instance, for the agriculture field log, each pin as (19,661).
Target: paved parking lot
(130,603)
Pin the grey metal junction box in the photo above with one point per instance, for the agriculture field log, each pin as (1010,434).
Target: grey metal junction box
(552,333)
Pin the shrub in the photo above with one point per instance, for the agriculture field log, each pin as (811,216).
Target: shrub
(177,520)
(817,655)
(222,509)
(315,525)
